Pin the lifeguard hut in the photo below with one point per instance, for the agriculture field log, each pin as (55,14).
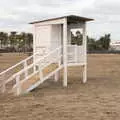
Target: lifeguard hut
(55,33)
(52,45)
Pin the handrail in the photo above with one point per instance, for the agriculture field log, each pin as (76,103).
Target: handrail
(28,59)
(33,73)
(53,56)
(50,53)
(28,67)
(24,61)
(18,64)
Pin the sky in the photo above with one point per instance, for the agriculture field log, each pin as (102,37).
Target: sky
(16,14)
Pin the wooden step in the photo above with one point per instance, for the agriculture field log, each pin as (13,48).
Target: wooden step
(34,79)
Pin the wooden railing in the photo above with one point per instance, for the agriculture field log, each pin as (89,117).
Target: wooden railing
(25,69)
(8,74)
(75,55)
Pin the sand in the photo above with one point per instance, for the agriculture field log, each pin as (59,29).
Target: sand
(98,99)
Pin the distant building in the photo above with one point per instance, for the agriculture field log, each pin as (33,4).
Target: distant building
(115,46)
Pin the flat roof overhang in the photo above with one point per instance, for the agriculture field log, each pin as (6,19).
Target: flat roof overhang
(70,19)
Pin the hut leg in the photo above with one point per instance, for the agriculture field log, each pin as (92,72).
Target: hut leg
(84,73)
(65,53)
(57,76)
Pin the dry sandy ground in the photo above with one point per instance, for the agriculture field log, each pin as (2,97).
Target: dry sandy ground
(98,99)
(9,59)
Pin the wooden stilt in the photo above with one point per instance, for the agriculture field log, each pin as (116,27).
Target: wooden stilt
(85,54)
(84,73)
(57,76)
(65,52)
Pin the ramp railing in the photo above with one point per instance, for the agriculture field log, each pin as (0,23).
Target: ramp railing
(22,71)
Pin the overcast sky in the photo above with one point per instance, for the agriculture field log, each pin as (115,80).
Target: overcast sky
(16,14)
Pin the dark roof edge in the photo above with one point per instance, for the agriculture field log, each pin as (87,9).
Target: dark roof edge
(83,18)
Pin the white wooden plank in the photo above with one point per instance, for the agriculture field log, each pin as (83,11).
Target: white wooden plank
(85,54)
(65,52)
(58,21)
(84,73)
(25,68)
(18,85)
(3,87)
(76,64)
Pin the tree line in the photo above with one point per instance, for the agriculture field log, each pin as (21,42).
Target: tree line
(16,42)
(23,42)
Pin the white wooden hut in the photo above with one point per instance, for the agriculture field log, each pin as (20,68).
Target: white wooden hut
(53,33)
(51,45)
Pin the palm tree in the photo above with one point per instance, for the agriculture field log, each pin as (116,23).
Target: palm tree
(19,42)
(12,38)
(29,40)
(3,39)
(23,36)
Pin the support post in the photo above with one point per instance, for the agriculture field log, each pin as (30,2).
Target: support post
(65,52)
(40,73)
(75,53)
(85,54)
(84,73)
(3,84)
(57,76)
(69,34)
(34,47)
(26,71)
(18,85)
(3,87)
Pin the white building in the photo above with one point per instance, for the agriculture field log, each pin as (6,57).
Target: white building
(53,33)
(51,46)
(115,46)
